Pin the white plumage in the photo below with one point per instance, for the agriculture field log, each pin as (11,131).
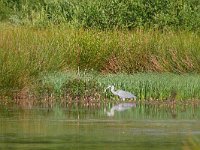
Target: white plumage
(122,94)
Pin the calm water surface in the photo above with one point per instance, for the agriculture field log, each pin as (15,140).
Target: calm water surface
(138,128)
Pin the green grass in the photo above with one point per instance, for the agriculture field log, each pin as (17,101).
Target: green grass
(28,53)
(33,50)
(148,86)
(65,88)
(82,88)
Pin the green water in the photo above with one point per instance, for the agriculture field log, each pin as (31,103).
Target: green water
(138,128)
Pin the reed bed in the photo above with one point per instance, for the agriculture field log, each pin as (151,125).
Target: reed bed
(26,53)
(36,50)
(67,89)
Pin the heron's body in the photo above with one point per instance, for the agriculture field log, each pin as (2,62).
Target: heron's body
(122,94)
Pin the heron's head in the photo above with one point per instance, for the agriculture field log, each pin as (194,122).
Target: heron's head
(108,87)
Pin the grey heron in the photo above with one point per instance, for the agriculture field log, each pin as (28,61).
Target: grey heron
(122,94)
(120,107)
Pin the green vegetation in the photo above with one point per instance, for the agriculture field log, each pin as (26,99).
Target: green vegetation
(87,89)
(31,51)
(104,14)
(28,53)
(147,86)
(64,53)
(42,44)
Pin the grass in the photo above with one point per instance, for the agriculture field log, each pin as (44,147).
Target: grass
(87,89)
(27,53)
(52,49)
(157,86)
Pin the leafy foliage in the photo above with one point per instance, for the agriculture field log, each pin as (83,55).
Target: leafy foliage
(108,14)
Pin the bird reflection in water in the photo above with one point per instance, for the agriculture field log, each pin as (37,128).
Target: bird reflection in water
(120,107)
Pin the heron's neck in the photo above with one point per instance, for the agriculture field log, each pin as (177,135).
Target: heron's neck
(113,91)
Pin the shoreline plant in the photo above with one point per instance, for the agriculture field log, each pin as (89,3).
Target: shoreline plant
(27,52)
(129,38)
(104,14)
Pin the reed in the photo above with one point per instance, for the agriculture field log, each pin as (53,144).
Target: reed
(58,48)
(27,52)
(88,88)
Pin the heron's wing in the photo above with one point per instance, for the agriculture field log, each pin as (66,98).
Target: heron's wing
(125,94)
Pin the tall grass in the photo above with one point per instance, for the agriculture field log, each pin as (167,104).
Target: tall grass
(88,88)
(81,88)
(149,86)
(26,53)
(35,50)
(105,14)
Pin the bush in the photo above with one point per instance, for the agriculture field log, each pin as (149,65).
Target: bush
(4,11)
(108,14)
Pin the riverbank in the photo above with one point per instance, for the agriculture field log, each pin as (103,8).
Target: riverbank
(88,89)
(61,64)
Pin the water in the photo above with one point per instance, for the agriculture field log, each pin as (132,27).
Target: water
(141,127)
